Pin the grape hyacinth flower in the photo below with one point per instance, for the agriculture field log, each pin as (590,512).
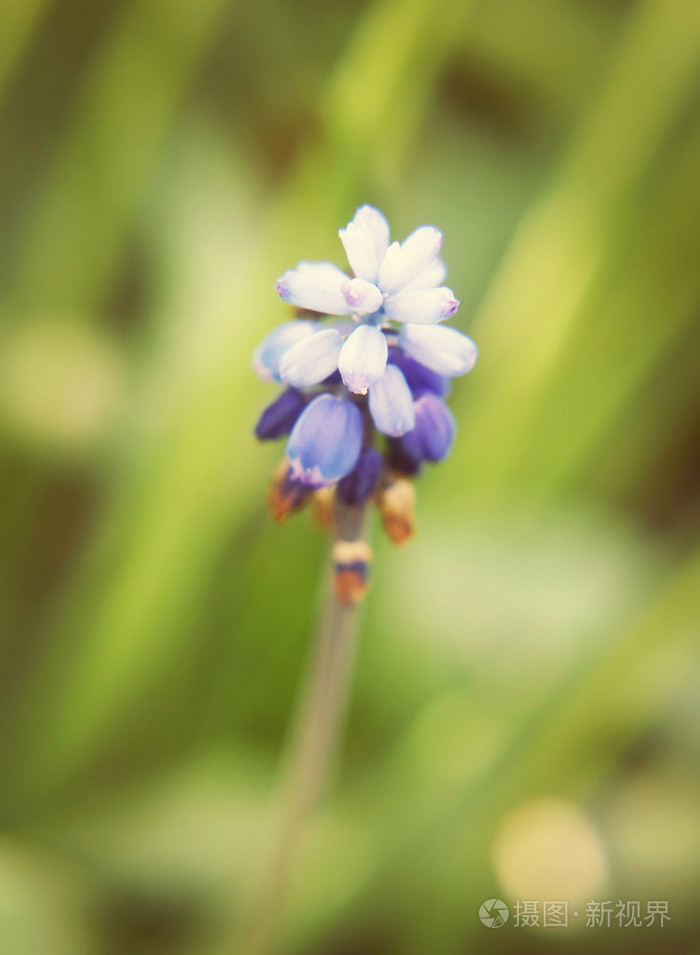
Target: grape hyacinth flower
(365,368)
(366,365)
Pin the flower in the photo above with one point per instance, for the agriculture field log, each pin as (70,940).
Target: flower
(373,358)
(279,418)
(432,437)
(326,441)
(397,282)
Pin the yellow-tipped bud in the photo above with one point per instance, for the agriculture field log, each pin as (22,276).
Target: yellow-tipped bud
(397,505)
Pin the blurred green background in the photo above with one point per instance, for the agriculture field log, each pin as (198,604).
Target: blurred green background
(525,721)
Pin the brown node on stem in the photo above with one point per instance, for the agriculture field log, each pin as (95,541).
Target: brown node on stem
(351,567)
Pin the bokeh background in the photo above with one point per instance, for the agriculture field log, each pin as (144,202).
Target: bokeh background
(525,721)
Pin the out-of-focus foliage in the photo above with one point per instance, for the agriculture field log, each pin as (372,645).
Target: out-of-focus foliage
(525,721)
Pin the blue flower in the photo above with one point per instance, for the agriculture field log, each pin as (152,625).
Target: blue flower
(432,436)
(393,283)
(326,441)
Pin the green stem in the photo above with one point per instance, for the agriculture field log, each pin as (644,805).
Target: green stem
(312,747)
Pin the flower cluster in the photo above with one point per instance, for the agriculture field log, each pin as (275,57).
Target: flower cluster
(366,356)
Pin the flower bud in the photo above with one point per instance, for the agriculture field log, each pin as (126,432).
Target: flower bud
(356,487)
(286,495)
(397,505)
(326,441)
(279,417)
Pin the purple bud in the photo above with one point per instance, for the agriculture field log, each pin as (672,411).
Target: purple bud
(278,418)
(430,440)
(435,427)
(419,377)
(357,486)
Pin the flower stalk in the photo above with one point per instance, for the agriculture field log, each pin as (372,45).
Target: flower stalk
(319,723)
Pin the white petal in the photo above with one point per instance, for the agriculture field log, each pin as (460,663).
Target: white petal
(403,263)
(363,297)
(439,347)
(424,307)
(269,353)
(363,359)
(312,359)
(431,276)
(391,403)
(318,286)
(365,240)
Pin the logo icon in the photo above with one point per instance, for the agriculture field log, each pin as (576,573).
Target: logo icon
(493,913)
